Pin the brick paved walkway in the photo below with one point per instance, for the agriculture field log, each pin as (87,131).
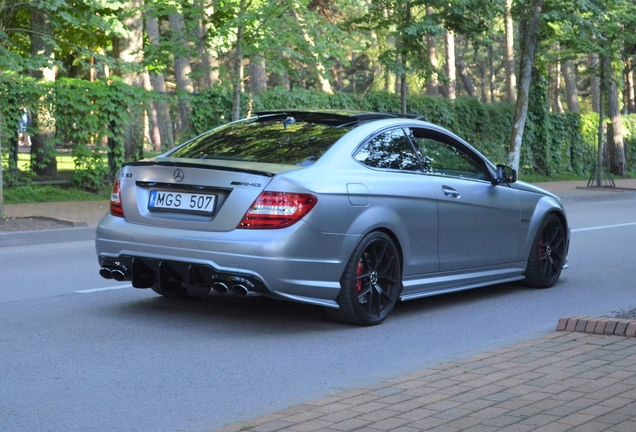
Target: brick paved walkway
(564,381)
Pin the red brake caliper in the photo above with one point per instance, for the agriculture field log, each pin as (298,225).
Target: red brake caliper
(359,272)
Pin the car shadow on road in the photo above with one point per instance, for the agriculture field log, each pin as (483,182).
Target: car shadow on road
(459,298)
(262,314)
(223,312)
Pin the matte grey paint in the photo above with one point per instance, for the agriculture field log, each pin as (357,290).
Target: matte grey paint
(452,233)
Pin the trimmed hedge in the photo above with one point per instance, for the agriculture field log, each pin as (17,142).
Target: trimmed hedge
(87,112)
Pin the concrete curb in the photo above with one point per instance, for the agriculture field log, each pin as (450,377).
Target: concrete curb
(27,238)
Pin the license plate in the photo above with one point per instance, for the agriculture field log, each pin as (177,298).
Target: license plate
(181,201)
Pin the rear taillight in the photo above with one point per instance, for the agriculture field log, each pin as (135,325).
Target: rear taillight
(277,210)
(115,201)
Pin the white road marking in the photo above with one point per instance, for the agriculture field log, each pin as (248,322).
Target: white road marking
(604,227)
(87,291)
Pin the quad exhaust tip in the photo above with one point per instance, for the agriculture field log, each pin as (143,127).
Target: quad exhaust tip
(119,274)
(106,273)
(220,287)
(240,289)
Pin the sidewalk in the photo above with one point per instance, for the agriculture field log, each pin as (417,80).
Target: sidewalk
(89,212)
(80,212)
(581,377)
(563,381)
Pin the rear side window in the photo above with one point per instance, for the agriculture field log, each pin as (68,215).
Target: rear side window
(269,141)
(389,150)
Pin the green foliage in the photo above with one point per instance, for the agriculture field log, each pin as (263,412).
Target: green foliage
(553,143)
(87,115)
(83,29)
(538,131)
(212,108)
(299,98)
(37,194)
(629,134)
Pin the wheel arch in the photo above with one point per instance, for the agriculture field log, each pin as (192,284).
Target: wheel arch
(363,298)
(387,221)
(396,241)
(542,209)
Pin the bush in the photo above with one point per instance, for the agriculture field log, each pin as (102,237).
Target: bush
(93,120)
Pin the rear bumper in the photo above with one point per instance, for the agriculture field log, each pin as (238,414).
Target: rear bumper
(297,263)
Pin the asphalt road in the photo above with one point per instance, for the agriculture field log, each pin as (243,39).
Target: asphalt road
(77,355)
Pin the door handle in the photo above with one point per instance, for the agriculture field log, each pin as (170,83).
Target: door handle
(450,192)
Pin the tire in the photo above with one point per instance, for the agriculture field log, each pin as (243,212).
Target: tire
(371,282)
(547,255)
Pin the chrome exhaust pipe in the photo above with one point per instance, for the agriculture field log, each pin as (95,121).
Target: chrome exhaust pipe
(106,273)
(118,275)
(220,287)
(239,289)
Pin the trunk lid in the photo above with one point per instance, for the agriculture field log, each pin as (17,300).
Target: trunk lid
(195,195)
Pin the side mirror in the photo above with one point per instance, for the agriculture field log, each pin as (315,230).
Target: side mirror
(505,174)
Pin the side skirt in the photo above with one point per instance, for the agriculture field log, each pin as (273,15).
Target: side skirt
(435,285)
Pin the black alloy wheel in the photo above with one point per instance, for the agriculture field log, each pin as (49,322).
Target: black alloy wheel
(371,282)
(547,255)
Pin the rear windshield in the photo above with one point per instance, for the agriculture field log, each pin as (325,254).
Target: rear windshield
(292,142)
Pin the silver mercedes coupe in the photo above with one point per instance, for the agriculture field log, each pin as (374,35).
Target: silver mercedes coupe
(350,211)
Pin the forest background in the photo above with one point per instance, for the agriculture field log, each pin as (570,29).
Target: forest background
(536,84)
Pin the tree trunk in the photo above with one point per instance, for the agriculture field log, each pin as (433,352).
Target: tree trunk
(529,31)
(237,76)
(511,78)
(43,152)
(403,82)
(158,81)
(432,84)
(593,63)
(451,73)
(555,84)
(281,80)
(616,148)
(209,66)
(153,116)
(571,93)
(601,125)
(320,68)
(484,80)
(398,75)
(258,75)
(129,52)
(630,94)
(467,81)
(182,70)
(491,75)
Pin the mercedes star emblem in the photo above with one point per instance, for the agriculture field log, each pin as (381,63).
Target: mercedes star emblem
(178,175)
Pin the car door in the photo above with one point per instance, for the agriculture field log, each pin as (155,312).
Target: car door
(479,222)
